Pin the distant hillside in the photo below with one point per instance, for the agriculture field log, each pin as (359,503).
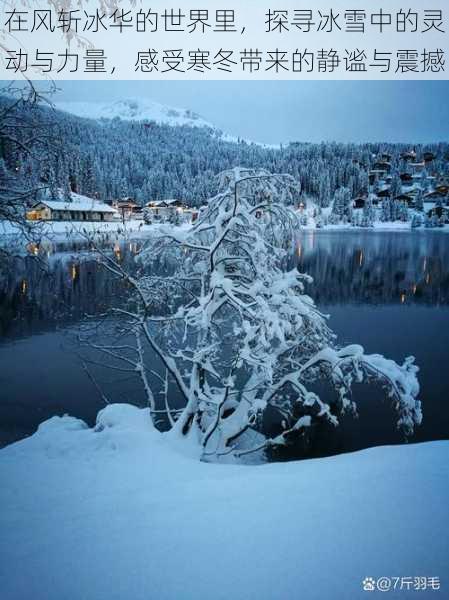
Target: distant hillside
(153,159)
(135,110)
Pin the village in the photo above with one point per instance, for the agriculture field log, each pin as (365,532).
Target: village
(82,208)
(406,189)
(417,185)
(223,338)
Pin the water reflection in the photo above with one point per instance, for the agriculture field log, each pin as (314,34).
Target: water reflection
(376,268)
(68,285)
(387,291)
(347,268)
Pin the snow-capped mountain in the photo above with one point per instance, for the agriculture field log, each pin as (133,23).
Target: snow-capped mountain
(135,110)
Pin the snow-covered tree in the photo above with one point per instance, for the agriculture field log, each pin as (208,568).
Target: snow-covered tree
(419,200)
(417,220)
(235,331)
(368,213)
(402,211)
(324,198)
(26,142)
(341,206)
(395,186)
(111,158)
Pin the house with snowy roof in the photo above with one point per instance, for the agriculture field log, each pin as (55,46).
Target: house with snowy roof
(79,208)
(163,210)
(128,209)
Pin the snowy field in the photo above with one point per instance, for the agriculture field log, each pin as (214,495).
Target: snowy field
(117,513)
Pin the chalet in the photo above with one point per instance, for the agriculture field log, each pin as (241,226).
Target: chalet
(442,189)
(128,209)
(440,212)
(374,175)
(408,156)
(385,193)
(434,196)
(382,166)
(406,178)
(359,201)
(163,210)
(428,157)
(80,208)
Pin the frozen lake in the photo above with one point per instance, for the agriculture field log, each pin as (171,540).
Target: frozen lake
(386,291)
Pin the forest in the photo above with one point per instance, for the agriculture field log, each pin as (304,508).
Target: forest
(111,159)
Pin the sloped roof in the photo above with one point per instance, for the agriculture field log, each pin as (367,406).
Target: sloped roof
(79,203)
(164,202)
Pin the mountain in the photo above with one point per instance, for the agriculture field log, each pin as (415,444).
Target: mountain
(142,155)
(135,110)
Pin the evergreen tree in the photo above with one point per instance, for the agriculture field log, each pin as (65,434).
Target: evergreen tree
(341,205)
(419,200)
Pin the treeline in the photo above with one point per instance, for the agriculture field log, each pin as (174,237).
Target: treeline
(111,159)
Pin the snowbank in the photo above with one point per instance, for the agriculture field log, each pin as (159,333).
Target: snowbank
(60,231)
(395,226)
(116,513)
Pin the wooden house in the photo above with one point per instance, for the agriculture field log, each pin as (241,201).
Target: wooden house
(434,196)
(440,212)
(359,201)
(428,157)
(409,156)
(442,189)
(81,208)
(163,210)
(128,209)
(382,166)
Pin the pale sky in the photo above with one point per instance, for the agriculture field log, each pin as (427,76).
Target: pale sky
(282,111)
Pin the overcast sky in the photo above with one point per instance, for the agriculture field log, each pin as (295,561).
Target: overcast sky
(281,111)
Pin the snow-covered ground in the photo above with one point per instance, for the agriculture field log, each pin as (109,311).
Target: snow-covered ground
(133,109)
(71,230)
(118,513)
(311,217)
(61,231)
(137,109)
(377,226)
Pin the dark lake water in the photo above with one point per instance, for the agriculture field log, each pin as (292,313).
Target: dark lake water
(386,291)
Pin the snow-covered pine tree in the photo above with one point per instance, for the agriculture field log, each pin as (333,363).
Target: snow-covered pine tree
(395,185)
(368,213)
(419,200)
(416,221)
(341,204)
(324,196)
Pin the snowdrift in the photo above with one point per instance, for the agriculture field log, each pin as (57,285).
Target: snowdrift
(117,513)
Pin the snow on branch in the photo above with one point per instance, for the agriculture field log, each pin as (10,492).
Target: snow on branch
(235,331)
